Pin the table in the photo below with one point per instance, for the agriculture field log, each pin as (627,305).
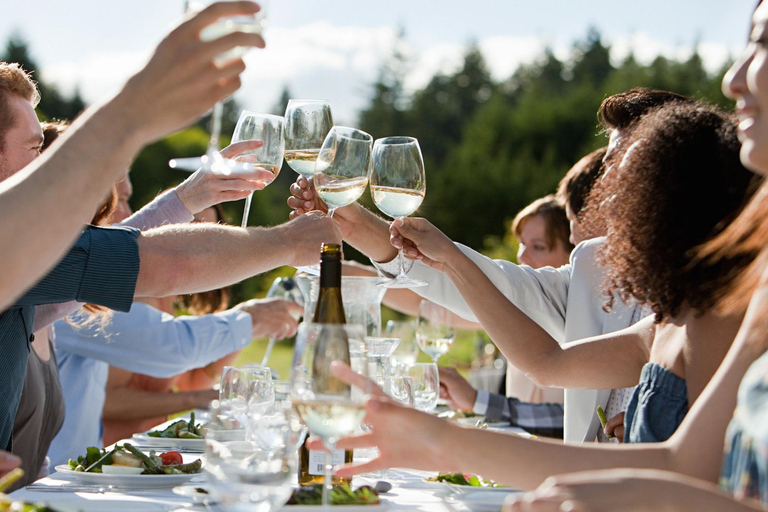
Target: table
(409,492)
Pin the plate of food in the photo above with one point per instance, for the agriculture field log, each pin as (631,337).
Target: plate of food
(464,482)
(179,433)
(308,499)
(126,466)
(481,422)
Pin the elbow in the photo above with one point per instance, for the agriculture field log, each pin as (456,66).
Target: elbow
(161,275)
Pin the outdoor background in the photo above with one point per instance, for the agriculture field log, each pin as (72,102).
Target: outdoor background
(502,95)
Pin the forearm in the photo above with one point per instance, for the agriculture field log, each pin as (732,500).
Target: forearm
(370,234)
(133,404)
(205,378)
(680,493)
(222,255)
(66,188)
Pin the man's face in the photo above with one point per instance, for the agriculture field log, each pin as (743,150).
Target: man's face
(23,141)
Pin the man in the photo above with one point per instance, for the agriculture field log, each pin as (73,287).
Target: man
(110,266)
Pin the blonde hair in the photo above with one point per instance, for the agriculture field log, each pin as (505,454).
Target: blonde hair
(556,226)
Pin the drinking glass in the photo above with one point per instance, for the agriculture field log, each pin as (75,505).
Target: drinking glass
(269,130)
(341,169)
(238,385)
(330,408)
(287,289)
(307,122)
(254,24)
(407,350)
(252,473)
(379,353)
(400,388)
(398,185)
(434,332)
(425,385)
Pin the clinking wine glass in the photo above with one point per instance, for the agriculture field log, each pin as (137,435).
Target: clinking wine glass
(330,408)
(341,169)
(434,332)
(252,24)
(269,157)
(398,185)
(307,122)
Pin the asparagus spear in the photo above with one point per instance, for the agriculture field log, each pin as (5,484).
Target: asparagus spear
(151,467)
(603,418)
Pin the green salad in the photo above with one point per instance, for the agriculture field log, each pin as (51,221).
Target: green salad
(181,429)
(168,463)
(8,505)
(463,479)
(340,495)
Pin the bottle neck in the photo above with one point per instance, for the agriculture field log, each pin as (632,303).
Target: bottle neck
(330,272)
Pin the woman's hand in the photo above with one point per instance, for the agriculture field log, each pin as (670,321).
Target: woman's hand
(422,241)
(455,388)
(272,318)
(304,199)
(205,188)
(615,427)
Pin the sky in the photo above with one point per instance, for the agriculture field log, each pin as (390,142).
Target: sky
(334,49)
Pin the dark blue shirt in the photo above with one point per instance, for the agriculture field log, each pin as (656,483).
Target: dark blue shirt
(101,268)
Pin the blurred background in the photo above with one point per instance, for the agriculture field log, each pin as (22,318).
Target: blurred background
(502,95)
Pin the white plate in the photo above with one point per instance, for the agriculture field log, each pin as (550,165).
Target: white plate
(472,422)
(127,481)
(192,491)
(465,489)
(479,501)
(189,444)
(383,505)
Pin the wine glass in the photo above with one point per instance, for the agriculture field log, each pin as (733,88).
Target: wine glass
(398,185)
(252,24)
(341,169)
(255,472)
(236,385)
(407,350)
(434,332)
(425,385)
(281,288)
(307,122)
(330,408)
(400,388)
(269,130)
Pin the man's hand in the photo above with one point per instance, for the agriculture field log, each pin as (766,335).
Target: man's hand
(615,427)
(272,318)
(454,388)
(422,241)
(306,234)
(205,188)
(303,199)
(182,81)
(8,462)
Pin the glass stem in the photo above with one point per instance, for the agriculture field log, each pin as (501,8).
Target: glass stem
(247,211)
(402,275)
(331,212)
(213,143)
(328,479)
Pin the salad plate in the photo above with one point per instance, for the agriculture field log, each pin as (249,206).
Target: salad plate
(127,481)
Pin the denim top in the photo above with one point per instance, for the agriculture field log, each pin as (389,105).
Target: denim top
(657,407)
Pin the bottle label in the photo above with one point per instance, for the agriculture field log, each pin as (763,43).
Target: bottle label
(317,461)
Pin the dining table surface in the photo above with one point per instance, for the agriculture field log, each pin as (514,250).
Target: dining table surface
(410,491)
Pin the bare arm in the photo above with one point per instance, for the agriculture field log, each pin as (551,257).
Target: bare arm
(62,187)
(190,258)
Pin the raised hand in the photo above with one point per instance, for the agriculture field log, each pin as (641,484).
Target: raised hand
(306,234)
(422,241)
(303,199)
(455,388)
(272,318)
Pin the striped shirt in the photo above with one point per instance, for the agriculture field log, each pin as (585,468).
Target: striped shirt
(540,419)
(101,268)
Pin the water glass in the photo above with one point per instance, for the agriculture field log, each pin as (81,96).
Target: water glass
(400,389)
(426,385)
(236,384)
(407,350)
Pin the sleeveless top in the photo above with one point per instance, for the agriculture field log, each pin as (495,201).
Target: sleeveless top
(745,462)
(39,416)
(657,407)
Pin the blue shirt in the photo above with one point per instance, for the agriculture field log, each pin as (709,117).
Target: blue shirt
(146,341)
(101,268)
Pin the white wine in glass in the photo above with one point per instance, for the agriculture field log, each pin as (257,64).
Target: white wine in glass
(434,333)
(398,185)
(307,122)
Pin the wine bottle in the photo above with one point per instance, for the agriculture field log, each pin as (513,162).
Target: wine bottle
(329,310)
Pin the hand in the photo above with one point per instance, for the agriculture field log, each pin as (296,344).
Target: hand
(420,240)
(182,81)
(303,199)
(205,188)
(306,234)
(8,462)
(609,490)
(204,397)
(272,318)
(455,388)
(615,427)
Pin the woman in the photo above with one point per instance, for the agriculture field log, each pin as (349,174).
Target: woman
(695,328)
(543,231)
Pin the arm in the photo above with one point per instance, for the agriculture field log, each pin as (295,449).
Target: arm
(62,187)
(125,403)
(204,378)
(184,259)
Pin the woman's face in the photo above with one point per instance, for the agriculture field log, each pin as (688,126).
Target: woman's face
(534,250)
(747,83)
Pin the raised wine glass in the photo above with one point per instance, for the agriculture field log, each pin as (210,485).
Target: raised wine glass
(307,122)
(252,24)
(330,408)
(398,185)
(341,169)
(269,130)
(434,333)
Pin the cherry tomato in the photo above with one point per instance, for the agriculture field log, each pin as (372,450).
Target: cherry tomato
(170,458)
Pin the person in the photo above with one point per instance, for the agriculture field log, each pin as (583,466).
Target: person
(103,266)
(524,463)
(543,231)
(180,82)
